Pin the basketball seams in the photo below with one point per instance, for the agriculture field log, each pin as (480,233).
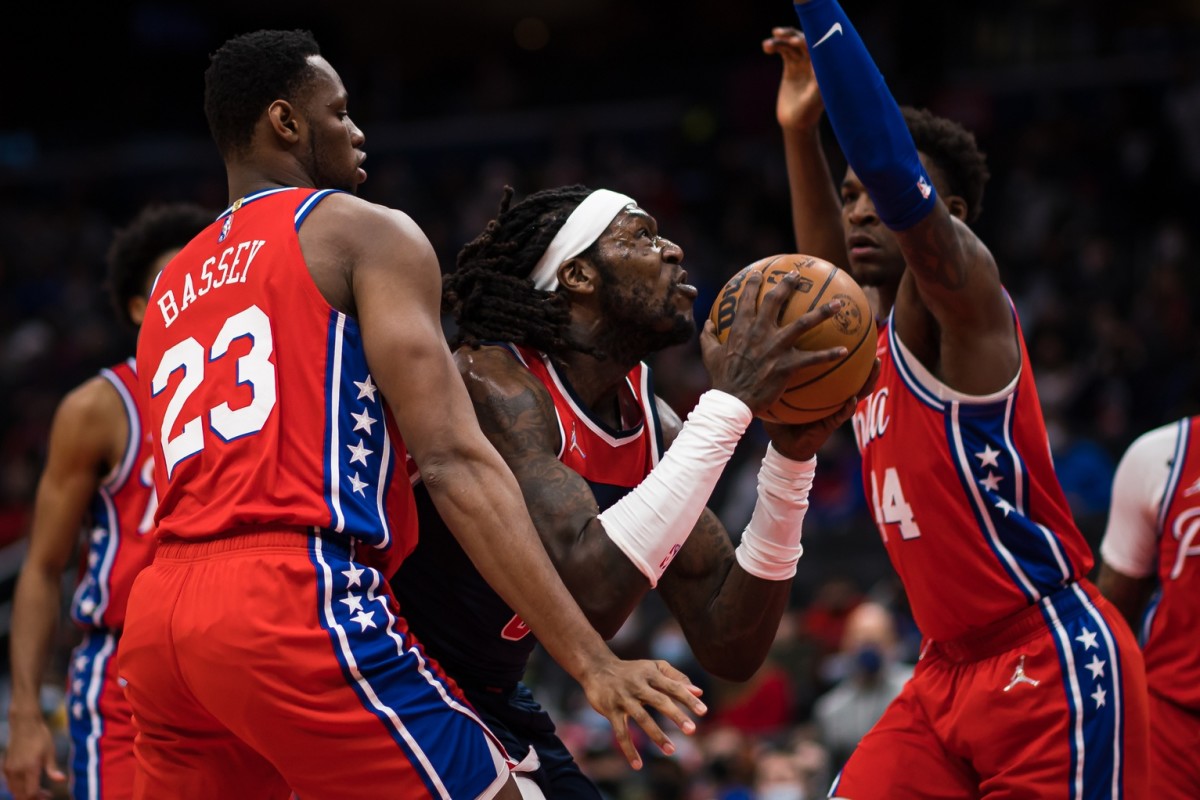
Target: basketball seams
(821,292)
(783,410)
(845,359)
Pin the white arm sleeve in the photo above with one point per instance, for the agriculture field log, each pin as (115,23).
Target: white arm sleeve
(770,546)
(1130,543)
(652,522)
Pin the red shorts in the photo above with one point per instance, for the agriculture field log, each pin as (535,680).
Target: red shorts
(1174,751)
(1050,703)
(262,663)
(99,720)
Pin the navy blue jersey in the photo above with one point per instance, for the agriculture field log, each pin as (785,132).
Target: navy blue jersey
(478,640)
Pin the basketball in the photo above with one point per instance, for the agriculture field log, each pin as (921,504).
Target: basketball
(818,390)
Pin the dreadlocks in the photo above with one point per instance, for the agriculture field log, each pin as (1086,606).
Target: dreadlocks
(489,292)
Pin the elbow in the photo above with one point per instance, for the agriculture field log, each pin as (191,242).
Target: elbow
(730,667)
(731,659)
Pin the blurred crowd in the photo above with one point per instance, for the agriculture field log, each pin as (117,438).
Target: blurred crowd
(1091,213)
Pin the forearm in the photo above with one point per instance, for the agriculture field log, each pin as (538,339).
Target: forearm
(607,602)
(864,115)
(482,505)
(731,634)
(816,208)
(35,612)
(652,523)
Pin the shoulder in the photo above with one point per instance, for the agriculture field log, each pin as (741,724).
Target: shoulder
(356,232)
(513,406)
(94,402)
(91,423)
(1155,446)
(493,374)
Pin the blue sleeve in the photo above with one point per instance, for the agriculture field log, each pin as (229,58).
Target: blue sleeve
(864,115)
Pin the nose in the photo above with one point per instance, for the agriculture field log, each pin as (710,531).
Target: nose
(671,252)
(357,137)
(861,211)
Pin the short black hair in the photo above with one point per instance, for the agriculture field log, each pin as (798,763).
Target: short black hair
(953,149)
(135,248)
(489,292)
(248,73)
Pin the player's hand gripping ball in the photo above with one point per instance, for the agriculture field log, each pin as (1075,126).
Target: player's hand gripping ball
(819,390)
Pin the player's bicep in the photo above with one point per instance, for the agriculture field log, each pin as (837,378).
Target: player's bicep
(397,294)
(78,455)
(955,274)
(517,416)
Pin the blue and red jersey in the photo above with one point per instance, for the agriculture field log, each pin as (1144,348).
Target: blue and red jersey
(457,616)
(964,494)
(1173,616)
(262,407)
(121,516)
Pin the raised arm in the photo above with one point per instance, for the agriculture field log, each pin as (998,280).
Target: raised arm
(88,431)
(816,206)
(953,273)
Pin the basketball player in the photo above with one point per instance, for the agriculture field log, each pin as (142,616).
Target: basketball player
(1030,683)
(295,358)
(1148,571)
(558,302)
(96,483)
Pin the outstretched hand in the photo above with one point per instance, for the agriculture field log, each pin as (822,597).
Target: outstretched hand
(759,355)
(621,690)
(801,442)
(798,105)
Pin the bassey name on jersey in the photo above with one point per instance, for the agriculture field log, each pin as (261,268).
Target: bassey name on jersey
(229,268)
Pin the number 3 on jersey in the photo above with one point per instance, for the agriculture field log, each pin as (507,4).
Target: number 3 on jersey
(254,369)
(893,509)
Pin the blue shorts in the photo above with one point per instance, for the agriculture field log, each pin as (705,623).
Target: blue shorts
(517,720)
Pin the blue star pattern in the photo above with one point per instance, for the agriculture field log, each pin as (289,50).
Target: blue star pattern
(359,453)
(440,733)
(89,663)
(995,480)
(1091,666)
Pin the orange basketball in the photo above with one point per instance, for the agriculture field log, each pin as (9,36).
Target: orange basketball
(819,390)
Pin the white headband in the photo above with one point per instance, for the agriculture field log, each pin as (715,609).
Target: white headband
(589,219)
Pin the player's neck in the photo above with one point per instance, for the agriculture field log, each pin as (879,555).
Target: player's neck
(596,381)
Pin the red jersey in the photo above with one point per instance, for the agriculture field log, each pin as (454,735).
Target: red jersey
(260,401)
(1173,618)
(460,620)
(121,514)
(964,494)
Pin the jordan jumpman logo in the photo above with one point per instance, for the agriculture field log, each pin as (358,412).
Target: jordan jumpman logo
(1019,676)
(575,442)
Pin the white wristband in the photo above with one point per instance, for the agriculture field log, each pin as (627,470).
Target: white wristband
(770,546)
(653,521)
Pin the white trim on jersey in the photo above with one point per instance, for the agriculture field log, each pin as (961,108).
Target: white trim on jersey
(630,436)
(333,391)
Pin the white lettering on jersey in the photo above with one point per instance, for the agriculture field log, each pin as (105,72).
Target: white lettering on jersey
(872,421)
(1185,530)
(226,270)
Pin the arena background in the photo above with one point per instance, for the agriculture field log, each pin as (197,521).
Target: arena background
(1089,114)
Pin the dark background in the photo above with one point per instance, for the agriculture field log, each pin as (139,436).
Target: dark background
(1089,114)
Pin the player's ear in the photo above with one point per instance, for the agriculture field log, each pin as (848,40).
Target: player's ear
(282,117)
(957,206)
(136,308)
(578,275)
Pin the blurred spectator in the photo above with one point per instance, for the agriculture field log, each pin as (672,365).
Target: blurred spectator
(871,679)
